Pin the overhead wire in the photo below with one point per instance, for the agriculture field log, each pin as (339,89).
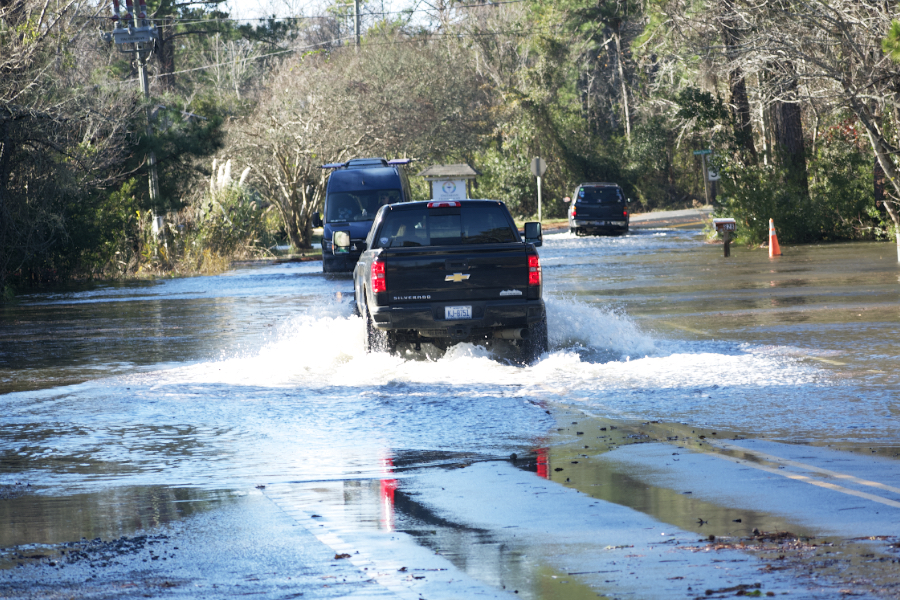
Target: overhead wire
(328,42)
(327,16)
(337,40)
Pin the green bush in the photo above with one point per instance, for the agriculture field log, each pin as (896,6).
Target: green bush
(754,194)
(841,183)
(506,176)
(837,205)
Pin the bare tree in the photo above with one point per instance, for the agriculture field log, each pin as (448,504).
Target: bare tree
(395,97)
(825,54)
(833,49)
(732,37)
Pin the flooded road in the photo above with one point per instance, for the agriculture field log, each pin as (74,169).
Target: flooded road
(238,419)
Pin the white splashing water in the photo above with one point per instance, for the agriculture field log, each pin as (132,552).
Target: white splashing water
(595,354)
(572,323)
(314,385)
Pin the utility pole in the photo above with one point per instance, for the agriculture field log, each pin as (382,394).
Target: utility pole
(158,219)
(142,39)
(356,19)
(705,172)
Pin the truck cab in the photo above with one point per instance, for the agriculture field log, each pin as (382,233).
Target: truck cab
(355,191)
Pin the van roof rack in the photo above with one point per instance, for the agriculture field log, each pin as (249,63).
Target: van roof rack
(367,163)
(363,163)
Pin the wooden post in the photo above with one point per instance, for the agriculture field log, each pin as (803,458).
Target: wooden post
(727,243)
(705,181)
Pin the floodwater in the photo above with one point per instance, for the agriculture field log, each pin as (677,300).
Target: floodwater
(129,407)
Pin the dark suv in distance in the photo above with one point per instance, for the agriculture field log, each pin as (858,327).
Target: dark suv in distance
(355,191)
(598,208)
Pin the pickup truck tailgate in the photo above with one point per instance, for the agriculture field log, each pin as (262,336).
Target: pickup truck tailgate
(456,273)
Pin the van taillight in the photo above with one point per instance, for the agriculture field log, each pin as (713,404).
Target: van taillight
(379,283)
(534,270)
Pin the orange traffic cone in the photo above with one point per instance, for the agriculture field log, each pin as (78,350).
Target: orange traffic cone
(774,248)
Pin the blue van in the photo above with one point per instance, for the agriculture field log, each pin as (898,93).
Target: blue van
(355,191)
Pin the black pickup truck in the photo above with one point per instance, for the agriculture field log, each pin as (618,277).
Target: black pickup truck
(444,272)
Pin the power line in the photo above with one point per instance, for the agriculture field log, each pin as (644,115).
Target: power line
(323,17)
(338,40)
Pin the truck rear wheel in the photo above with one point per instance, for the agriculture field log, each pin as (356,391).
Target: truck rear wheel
(377,340)
(537,343)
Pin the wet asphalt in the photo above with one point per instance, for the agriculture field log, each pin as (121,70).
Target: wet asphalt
(543,493)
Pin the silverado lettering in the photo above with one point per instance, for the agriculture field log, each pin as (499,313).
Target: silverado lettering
(448,272)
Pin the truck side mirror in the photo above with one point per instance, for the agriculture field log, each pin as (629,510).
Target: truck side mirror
(533,233)
(316,219)
(341,242)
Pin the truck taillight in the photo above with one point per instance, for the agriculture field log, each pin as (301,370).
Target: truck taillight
(572,212)
(379,283)
(624,213)
(534,270)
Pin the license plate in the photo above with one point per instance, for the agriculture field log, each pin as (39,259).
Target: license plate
(457,312)
(598,223)
(619,223)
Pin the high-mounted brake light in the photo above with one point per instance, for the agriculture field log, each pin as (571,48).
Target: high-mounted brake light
(379,283)
(444,204)
(534,270)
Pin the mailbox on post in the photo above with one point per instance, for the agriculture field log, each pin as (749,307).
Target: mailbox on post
(725,227)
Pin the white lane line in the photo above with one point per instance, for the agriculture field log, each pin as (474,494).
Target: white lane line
(407,570)
(382,572)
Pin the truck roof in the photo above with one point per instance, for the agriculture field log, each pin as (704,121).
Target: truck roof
(424,203)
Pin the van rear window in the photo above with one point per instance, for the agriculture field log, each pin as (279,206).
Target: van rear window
(600,195)
(482,224)
(347,207)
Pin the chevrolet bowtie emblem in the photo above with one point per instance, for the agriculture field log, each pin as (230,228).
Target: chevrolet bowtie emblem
(457,277)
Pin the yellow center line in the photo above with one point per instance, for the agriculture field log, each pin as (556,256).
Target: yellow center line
(804,478)
(698,332)
(815,482)
(825,360)
(685,328)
